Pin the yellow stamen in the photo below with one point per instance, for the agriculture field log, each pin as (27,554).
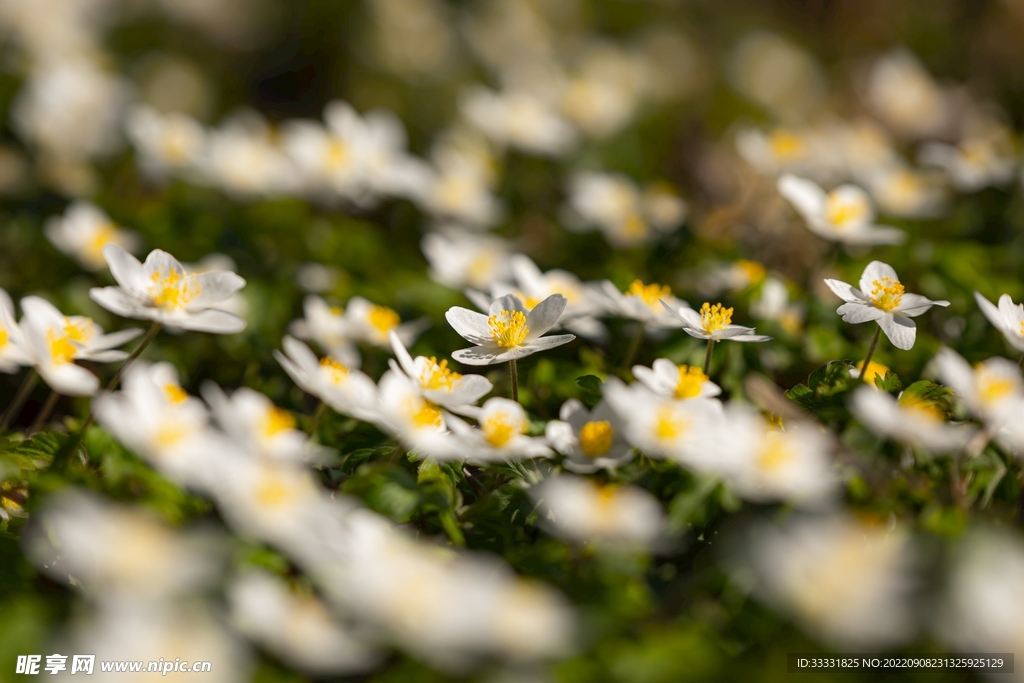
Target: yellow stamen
(714,318)
(174,393)
(337,371)
(500,428)
(651,294)
(993,388)
(529,302)
(775,453)
(923,408)
(337,154)
(754,271)
(596,438)
(843,210)
(271,492)
(635,227)
(383,319)
(669,425)
(277,420)
(426,414)
(61,349)
(173,290)
(438,376)
(169,434)
(508,328)
(4,336)
(785,145)
(691,380)
(337,310)
(886,293)
(104,235)
(17,491)
(874,370)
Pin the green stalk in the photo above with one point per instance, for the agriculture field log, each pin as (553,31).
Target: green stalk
(27,384)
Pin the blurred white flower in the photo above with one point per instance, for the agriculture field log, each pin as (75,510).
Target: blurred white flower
(343,388)
(84,230)
(242,158)
(12,342)
(372,324)
(613,516)
(438,383)
(909,420)
(326,326)
(991,390)
(846,583)
(509,332)
(458,259)
(1008,318)
(665,378)
(501,435)
(782,150)
(404,410)
(54,341)
(907,193)
(776,73)
(296,626)
(843,215)
(904,95)
(976,163)
(327,158)
(162,291)
(625,214)
(589,440)
(713,323)
(518,118)
(773,303)
(169,143)
(387,168)
(643,303)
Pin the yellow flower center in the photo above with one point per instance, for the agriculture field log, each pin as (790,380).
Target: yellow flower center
(104,235)
(874,370)
(775,453)
(337,310)
(596,438)
(886,293)
(272,492)
(669,425)
(168,434)
(635,227)
(691,379)
(528,301)
(277,420)
(714,318)
(753,270)
(500,428)
(785,145)
(337,154)
(337,371)
(923,408)
(61,349)
(480,268)
(508,328)
(174,393)
(173,290)
(842,210)
(651,294)
(437,376)
(992,388)
(79,331)
(4,336)
(383,319)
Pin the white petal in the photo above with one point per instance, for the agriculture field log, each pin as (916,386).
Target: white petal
(912,305)
(479,355)
(548,342)
(470,325)
(856,312)
(212,320)
(846,291)
(545,315)
(214,288)
(993,314)
(805,195)
(119,302)
(900,330)
(509,302)
(69,379)
(404,359)
(126,269)
(876,270)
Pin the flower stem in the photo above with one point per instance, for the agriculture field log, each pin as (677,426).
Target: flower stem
(634,346)
(1021,361)
(27,384)
(61,458)
(871,352)
(707,357)
(514,373)
(44,413)
(318,417)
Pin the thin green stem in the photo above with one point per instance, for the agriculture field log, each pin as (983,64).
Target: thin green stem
(514,372)
(27,384)
(707,357)
(318,417)
(871,352)
(60,460)
(634,345)
(44,413)
(1021,361)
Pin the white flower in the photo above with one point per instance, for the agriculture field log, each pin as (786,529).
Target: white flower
(713,323)
(54,341)
(258,427)
(905,192)
(161,290)
(910,420)
(518,118)
(509,332)
(844,582)
(1008,318)
(372,324)
(166,143)
(976,163)
(438,384)
(679,430)
(345,389)
(666,378)
(403,410)
(386,166)
(458,259)
(589,440)
(766,463)
(643,303)
(882,298)
(779,151)
(296,626)
(906,97)
(12,343)
(459,192)
(501,435)
(242,158)
(618,517)
(327,158)
(326,325)
(84,231)
(627,216)
(773,303)
(843,215)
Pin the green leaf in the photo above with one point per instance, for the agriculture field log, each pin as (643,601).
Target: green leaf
(591,385)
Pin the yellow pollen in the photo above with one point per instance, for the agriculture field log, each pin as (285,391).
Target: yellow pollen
(270,492)
(427,415)
(774,453)
(691,380)
(277,420)
(784,144)
(173,289)
(508,328)
(501,428)
(874,370)
(337,310)
(169,434)
(606,499)
(668,425)
(61,349)
(596,438)
(635,227)
(336,370)
(992,388)
(841,211)
(383,319)
(104,235)
(337,154)
(651,294)
(481,267)
(922,407)
(174,393)
(4,336)
(754,271)
(79,332)
(886,293)
(907,184)
(714,318)
(438,376)
(528,301)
